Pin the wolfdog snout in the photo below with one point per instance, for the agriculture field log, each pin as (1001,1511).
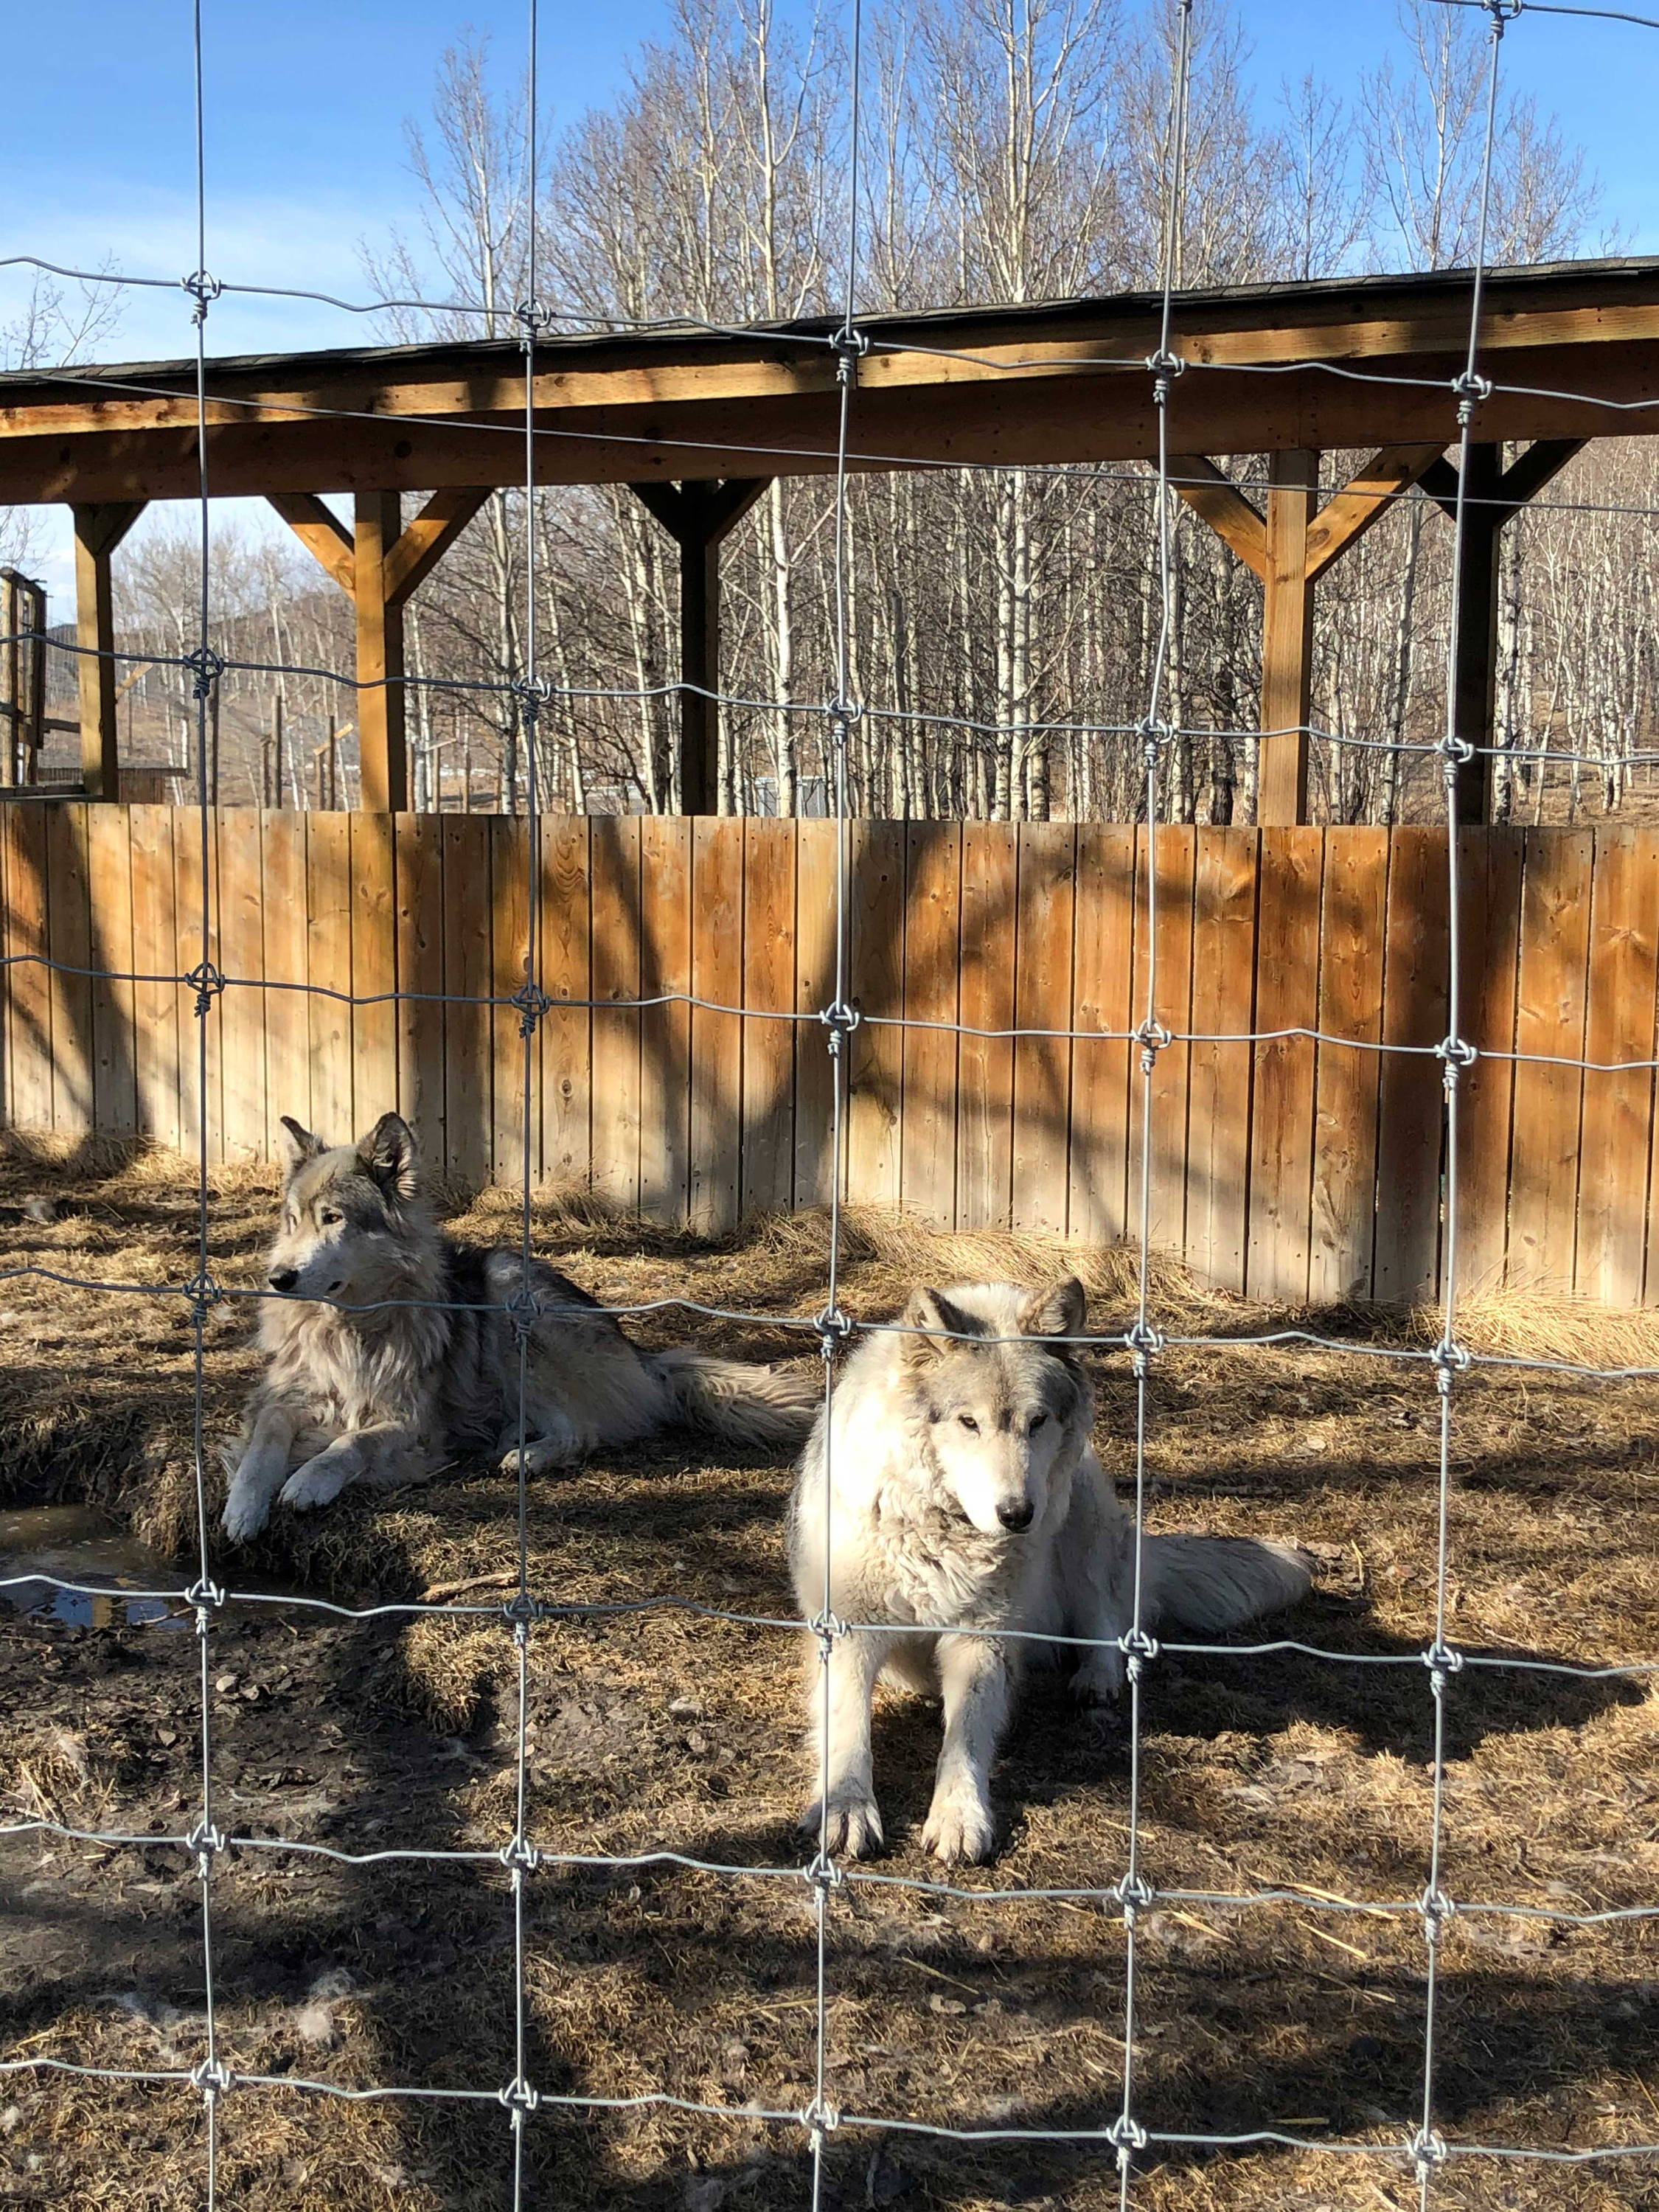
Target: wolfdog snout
(1016,1513)
(283,1279)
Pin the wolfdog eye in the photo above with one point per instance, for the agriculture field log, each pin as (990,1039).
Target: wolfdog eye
(330,1218)
(969,1423)
(1037,1419)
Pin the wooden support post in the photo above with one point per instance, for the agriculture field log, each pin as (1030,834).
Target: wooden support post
(1287,640)
(1289,550)
(698,517)
(381,566)
(1493,496)
(98,531)
(382,742)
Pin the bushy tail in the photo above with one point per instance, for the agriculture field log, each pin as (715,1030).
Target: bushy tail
(745,1404)
(1208,1583)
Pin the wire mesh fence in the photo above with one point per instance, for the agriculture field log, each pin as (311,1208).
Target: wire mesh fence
(1126,2140)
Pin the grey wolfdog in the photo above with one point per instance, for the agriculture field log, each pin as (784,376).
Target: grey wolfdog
(962,1492)
(366,1383)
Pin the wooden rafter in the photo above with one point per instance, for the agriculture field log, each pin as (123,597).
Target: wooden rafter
(322,533)
(1364,500)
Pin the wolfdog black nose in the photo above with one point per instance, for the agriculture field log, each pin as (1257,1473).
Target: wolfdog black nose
(284,1279)
(1016,1516)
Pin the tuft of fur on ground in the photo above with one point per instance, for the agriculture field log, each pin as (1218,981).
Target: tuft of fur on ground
(665,1730)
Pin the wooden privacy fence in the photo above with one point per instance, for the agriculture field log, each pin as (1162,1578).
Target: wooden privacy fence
(1289,1168)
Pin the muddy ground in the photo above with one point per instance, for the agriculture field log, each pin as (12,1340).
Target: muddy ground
(662,1731)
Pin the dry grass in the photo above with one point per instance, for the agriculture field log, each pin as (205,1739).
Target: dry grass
(664,1731)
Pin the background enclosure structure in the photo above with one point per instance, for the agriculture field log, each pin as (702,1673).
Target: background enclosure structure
(1452,395)
(701,422)
(1298,1150)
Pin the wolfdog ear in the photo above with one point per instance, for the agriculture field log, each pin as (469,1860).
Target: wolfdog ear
(300,1146)
(1060,1311)
(932,1311)
(388,1153)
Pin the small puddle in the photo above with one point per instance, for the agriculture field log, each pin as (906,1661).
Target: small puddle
(77,1545)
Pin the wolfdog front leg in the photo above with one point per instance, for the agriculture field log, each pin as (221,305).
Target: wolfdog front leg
(259,1475)
(382,1456)
(854,1826)
(974,1675)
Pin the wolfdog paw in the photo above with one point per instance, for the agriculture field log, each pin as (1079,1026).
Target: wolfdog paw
(1099,1679)
(318,1482)
(959,1831)
(541,1456)
(246,1512)
(853,1831)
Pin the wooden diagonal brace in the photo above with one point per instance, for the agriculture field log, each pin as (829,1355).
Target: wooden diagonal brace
(426,540)
(322,533)
(1213,495)
(1364,500)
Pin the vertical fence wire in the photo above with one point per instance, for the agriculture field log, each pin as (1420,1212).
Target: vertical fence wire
(1164,365)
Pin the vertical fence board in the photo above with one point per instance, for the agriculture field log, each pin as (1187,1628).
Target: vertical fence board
(567,1030)
(1175,855)
(373,968)
(985,1102)
(1615,1154)
(28,1094)
(287,1017)
(716,1038)
(109,884)
(615,862)
(200,1097)
(1282,1129)
(418,964)
(1490,865)
(665,1030)
(516,1146)
(816,1168)
(1549,1018)
(766,1162)
(240,1012)
(68,940)
(469,1042)
(932,941)
(1410,1112)
(877,1046)
(328,952)
(1224,983)
(1103,981)
(1347,1076)
(1046,889)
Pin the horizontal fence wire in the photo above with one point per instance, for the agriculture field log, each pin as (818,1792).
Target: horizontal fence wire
(1131,1895)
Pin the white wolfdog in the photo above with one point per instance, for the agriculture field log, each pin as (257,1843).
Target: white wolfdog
(963,1491)
(370,1388)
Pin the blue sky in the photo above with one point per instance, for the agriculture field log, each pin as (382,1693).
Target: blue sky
(307,105)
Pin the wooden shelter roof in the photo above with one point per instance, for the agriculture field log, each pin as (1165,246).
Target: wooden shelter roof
(1569,347)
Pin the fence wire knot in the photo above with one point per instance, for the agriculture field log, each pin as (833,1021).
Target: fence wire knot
(206,666)
(204,1595)
(822,1874)
(820,2119)
(849,347)
(1471,390)
(1456,1054)
(207,1842)
(211,2076)
(1138,1648)
(844,715)
(1450,1359)
(533,1005)
(1426,2151)
(841,1020)
(204,288)
(202,1291)
(1151,1036)
(205,979)
(1442,1662)
(1134,1893)
(834,1331)
(521,1857)
(1165,366)
(534,320)
(532,694)
(519,2098)
(826,1625)
(522,1310)
(1126,2136)
(1437,1908)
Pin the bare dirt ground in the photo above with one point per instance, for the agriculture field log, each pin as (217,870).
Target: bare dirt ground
(662,1731)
